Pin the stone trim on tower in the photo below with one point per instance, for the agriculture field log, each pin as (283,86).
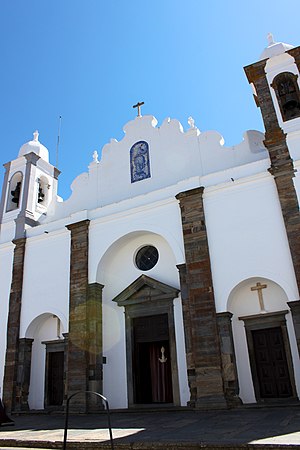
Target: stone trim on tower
(205,378)
(282,167)
(10,398)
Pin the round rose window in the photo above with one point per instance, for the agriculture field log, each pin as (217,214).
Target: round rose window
(146,257)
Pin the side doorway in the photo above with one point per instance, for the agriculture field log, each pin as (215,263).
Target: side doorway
(271,363)
(270,357)
(55,374)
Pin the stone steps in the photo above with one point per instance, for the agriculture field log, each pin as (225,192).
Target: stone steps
(13,444)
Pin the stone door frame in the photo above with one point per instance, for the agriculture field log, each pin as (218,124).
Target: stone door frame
(58,345)
(148,297)
(260,322)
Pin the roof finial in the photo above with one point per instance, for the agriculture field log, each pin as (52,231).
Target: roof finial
(95,157)
(191,122)
(270,39)
(36,136)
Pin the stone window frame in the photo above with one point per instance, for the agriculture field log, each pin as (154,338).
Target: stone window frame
(260,322)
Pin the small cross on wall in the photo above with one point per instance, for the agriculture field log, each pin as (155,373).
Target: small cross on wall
(259,287)
(138,106)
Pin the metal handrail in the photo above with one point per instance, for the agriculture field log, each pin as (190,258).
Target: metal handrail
(67,416)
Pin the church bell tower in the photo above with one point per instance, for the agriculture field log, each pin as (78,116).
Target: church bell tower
(30,185)
(275,81)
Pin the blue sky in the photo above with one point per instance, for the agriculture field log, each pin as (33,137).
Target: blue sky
(91,60)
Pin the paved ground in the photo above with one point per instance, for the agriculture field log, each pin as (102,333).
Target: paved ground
(280,425)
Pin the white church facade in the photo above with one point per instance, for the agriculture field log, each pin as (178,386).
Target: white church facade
(170,276)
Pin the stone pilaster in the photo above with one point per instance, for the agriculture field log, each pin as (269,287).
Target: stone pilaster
(95,356)
(204,330)
(295,310)
(78,345)
(66,346)
(282,167)
(186,309)
(229,370)
(13,327)
(256,75)
(23,374)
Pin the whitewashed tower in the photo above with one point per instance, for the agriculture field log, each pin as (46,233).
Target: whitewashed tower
(30,185)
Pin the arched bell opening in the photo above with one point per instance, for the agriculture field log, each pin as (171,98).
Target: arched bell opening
(14,192)
(42,191)
(288,95)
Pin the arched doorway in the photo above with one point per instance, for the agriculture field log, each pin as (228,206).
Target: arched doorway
(116,271)
(47,372)
(263,333)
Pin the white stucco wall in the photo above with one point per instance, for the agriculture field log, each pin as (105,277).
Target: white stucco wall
(247,237)
(46,278)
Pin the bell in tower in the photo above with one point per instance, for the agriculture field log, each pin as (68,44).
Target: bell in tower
(16,194)
(288,95)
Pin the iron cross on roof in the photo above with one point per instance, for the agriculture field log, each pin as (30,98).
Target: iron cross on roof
(138,106)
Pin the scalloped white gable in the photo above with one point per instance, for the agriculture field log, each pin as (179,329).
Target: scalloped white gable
(174,155)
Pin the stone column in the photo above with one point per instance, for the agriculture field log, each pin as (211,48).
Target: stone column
(295,310)
(186,309)
(23,374)
(95,357)
(229,370)
(66,346)
(204,330)
(78,345)
(13,327)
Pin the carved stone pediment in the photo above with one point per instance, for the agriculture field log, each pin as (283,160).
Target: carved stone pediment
(145,289)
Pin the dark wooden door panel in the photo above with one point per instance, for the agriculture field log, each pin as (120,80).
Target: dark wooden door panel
(152,375)
(55,378)
(271,363)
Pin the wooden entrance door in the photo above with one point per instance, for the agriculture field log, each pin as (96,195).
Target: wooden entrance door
(55,378)
(152,374)
(271,363)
